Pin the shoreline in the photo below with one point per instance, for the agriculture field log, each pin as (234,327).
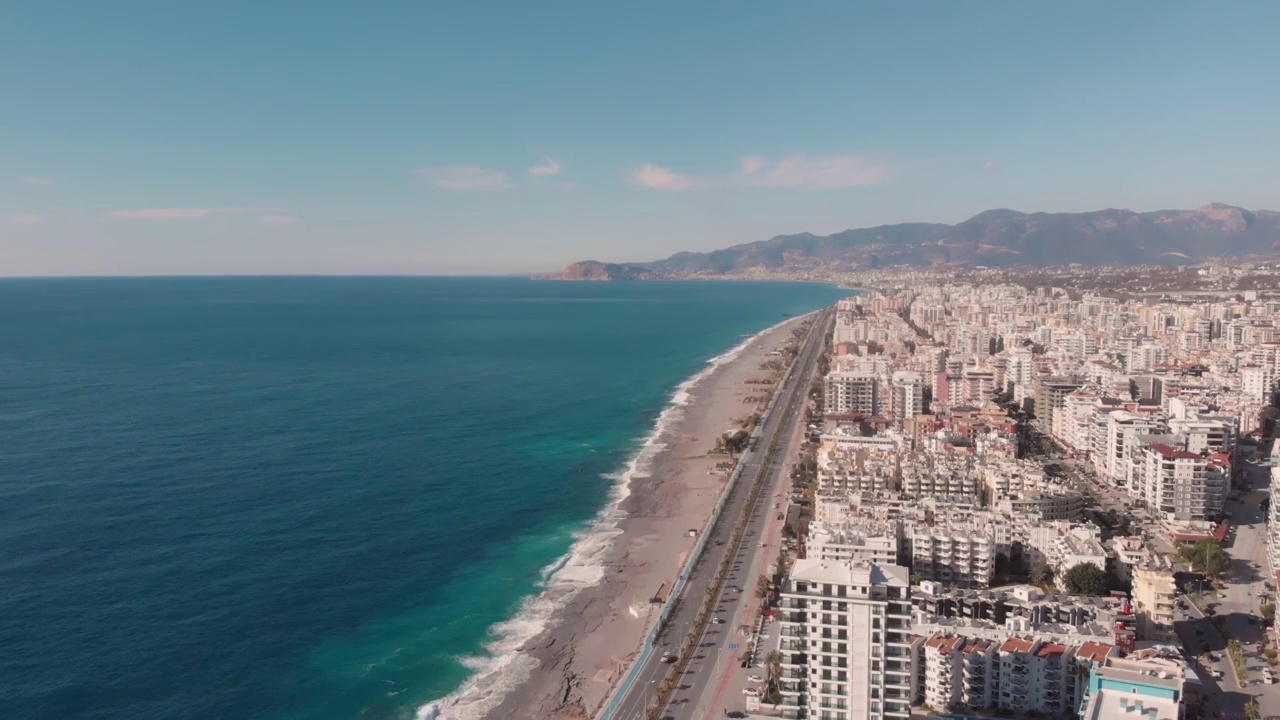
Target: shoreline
(555,658)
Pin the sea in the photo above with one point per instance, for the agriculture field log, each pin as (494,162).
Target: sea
(320,498)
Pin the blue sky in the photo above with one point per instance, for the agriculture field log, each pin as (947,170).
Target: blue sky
(431,137)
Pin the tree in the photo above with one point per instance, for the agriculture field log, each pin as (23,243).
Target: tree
(763,586)
(1268,613)
(1251,709)
(1085,579)
(1207,557)
(1041,574)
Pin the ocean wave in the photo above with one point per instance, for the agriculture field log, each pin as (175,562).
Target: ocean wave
(505,667)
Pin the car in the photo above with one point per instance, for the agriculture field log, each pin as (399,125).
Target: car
(755,679)
(1216,674)
(717,620)
(668,658)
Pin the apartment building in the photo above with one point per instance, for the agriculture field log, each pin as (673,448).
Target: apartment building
(877,542)
(960,554)
(846,641)
(962,673)
(1154,598)
(1114,460)
(1051,393)
(1176,483)
(959,673)
(1033,677)
(852,392)
(908,398)
(1153,689)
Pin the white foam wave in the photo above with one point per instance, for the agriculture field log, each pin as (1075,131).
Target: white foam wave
(505,667)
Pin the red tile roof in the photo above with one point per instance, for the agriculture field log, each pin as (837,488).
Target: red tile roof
(1016,645)
(1174,453)
(1094,652)
(1050,649)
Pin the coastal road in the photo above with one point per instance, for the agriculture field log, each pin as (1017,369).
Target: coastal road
(776,430)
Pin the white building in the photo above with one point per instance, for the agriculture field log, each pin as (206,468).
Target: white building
(852,392)
(872,543)
(908,395)
(846,641)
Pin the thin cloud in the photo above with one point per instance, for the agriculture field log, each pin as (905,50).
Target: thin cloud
(660,178)
(24,219)
(277,219)
(466,178)
(182,213)
(812,173)
(988,165)
(548,168)
(32,180)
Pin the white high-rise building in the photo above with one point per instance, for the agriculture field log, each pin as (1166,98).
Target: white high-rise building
(908,395)
(846,641)
(1121,426)
(852,392)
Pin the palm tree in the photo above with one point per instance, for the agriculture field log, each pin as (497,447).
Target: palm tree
(763,586)
(1251,709)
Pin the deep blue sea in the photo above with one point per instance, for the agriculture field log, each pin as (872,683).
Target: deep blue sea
(311,498)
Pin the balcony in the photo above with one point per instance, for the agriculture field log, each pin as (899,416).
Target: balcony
(791,646)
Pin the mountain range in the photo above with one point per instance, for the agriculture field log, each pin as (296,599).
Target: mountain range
(995,238)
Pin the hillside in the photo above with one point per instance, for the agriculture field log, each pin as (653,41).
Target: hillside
(591,270)
(1004,238)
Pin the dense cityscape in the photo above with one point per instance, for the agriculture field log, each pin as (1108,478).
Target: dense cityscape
(1015,501)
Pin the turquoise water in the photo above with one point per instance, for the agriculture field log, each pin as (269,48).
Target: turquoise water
(312,498)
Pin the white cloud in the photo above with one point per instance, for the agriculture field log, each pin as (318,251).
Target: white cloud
(814,173)
(24,219)
(466,178)
(182,213)
(791,171)
(549,167)
(660,178)
(32,180)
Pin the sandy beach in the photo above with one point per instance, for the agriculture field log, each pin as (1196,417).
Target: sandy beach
(592,641)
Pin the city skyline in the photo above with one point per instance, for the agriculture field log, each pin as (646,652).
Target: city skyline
(504,139)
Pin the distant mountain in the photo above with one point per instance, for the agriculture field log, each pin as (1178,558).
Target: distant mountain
(1003,238)
(592,270)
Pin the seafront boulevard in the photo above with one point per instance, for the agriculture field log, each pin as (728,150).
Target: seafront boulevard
(573,668)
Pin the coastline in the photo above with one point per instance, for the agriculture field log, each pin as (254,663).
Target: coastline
(561,654)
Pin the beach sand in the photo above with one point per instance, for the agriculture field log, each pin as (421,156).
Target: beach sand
(591,642)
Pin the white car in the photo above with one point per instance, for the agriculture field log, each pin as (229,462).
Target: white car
(755,679)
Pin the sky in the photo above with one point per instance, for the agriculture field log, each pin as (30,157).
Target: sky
(287,137)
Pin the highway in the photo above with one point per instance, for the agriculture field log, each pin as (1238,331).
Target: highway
(766,464)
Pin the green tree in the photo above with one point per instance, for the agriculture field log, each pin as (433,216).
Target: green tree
(1041,574)
(1085,579)
(1268,613)
(1251,709)
(763,586)
(1208,557)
